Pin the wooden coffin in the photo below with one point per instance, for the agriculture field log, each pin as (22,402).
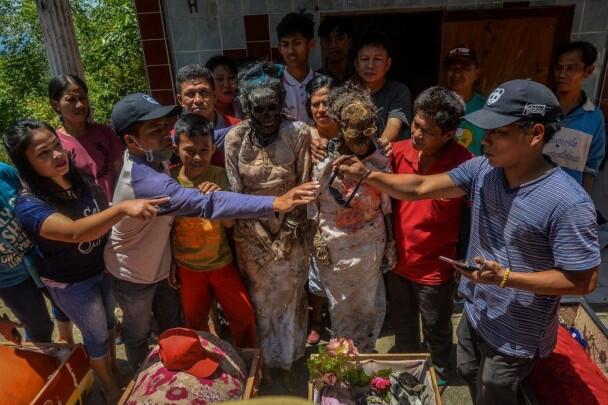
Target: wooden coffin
(44,374)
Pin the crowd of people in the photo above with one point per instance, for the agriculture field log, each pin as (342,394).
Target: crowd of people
(272,185)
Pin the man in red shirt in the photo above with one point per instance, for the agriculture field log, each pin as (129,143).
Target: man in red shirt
(426,229)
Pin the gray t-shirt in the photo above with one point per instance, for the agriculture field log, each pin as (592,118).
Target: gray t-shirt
(394,100)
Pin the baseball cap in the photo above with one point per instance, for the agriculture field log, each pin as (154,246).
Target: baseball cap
(181,349)
(462,52)
(139,107)
(514,100)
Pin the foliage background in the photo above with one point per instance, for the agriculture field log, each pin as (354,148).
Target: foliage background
(110,48)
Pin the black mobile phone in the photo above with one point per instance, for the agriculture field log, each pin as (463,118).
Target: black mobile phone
(460,264)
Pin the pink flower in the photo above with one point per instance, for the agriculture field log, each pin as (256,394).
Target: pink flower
(198,401)
(330,378)
(176,393)
(341,346)
(380,384)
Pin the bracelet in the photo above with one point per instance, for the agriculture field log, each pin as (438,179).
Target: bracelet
(505,277)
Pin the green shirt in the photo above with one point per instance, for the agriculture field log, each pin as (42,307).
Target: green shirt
(468,135)
(200,244)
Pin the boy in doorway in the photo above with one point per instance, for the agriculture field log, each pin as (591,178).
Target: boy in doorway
(392,99)
(336,37)
(200,248)
(579,147)
(296,40)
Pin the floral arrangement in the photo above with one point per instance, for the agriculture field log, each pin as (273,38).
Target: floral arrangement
(341,377)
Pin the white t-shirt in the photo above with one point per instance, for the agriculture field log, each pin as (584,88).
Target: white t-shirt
(296,96)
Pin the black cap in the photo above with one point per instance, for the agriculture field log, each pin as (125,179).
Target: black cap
(515,100)
(459,53)
(139,107)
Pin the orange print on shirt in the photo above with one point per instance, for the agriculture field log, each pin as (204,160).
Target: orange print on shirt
(197,238)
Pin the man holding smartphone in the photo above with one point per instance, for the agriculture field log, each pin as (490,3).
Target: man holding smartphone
(533,235)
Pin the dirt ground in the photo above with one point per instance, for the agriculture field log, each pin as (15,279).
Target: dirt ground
(456,393)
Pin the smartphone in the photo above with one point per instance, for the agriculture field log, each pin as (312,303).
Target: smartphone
(460,264)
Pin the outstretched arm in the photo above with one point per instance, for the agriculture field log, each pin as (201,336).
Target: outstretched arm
(400,186)
(62,228)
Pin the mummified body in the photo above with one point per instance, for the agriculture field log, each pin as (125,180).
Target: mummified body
(354,231)
(267,155)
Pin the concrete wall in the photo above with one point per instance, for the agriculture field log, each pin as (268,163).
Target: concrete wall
(195,30)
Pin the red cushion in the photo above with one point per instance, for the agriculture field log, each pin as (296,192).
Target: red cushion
(568,375)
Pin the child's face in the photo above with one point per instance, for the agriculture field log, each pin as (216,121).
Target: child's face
(295,50)
(195,153)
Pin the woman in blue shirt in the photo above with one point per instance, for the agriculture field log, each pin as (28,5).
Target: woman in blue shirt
(67,217)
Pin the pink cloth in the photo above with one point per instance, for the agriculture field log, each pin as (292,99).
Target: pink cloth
(95,154)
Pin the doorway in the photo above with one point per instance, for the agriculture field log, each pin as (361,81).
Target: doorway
(511,43)
(415,39)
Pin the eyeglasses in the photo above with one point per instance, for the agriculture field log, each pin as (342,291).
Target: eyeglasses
(355,133)
(338,196)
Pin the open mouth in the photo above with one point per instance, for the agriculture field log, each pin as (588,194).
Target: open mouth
(61,164)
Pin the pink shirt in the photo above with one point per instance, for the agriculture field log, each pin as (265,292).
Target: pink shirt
(95,153)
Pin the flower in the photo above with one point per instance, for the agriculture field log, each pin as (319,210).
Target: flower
(330,378)
(176,393)
(380,384)
(341,345)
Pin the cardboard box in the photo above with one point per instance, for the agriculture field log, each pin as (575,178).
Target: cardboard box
(391,361)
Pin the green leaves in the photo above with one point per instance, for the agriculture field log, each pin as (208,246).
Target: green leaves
(110,47)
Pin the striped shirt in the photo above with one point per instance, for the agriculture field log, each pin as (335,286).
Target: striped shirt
(543,224)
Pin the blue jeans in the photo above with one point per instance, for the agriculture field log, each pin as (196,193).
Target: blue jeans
(55,310)
(138,302)
(90,305)
(27,303)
